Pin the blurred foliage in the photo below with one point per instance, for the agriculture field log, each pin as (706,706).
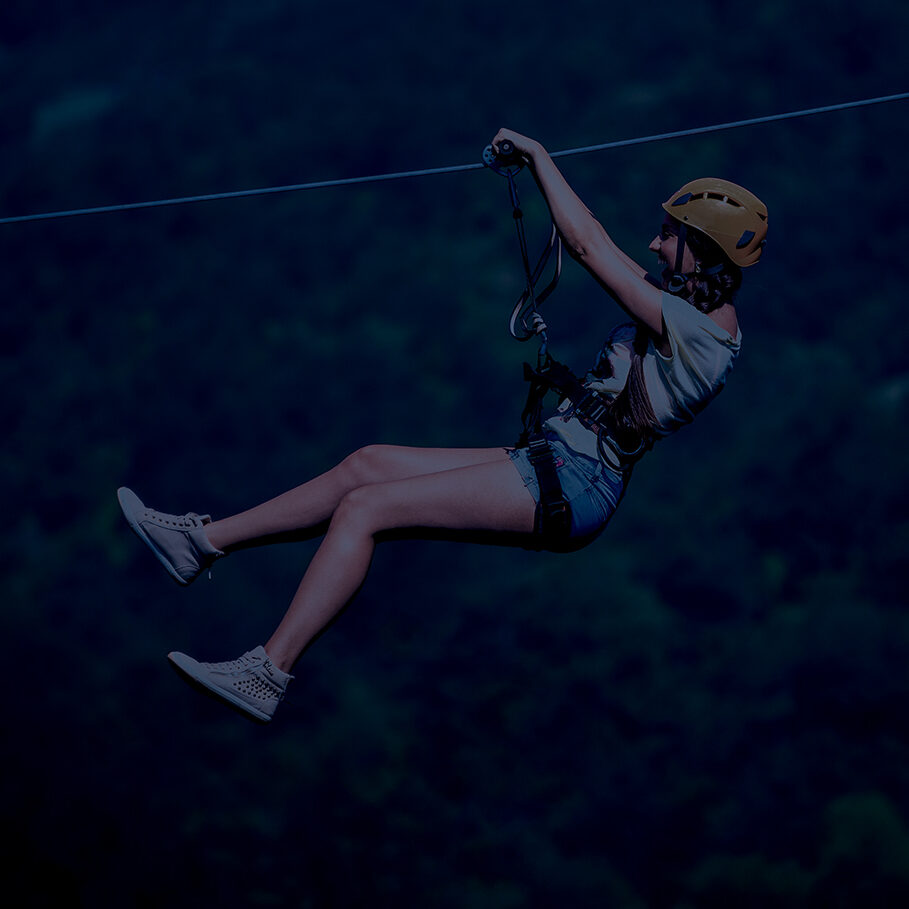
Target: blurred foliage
(706,708)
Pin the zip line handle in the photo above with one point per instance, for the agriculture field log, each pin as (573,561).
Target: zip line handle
(506,150)
(506,161)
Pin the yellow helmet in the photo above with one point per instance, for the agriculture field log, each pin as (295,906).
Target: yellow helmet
(731,216)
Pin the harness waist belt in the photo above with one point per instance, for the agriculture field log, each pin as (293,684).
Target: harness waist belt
(593,410)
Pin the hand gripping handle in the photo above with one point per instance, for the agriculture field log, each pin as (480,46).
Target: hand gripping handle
(505,160)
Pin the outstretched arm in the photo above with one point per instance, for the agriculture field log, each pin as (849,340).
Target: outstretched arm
(587,240)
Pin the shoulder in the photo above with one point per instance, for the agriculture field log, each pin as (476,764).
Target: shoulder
(726,318)
(696,333)
(683,319)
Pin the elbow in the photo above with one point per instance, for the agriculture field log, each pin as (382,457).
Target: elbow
(586,238)
(576,248)
(581,243)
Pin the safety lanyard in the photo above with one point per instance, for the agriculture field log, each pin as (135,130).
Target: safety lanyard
(526,321)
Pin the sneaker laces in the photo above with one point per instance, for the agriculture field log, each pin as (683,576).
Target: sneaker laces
(177,521)
(241,664)
(195,522)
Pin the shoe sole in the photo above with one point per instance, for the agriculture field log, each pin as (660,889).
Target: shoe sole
(185,668)
(132,506)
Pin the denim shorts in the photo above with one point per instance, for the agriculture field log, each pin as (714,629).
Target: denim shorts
(591,488)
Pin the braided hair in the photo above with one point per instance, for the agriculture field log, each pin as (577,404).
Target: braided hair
(716,279)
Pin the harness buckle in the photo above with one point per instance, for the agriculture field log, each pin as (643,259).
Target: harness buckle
(592,407)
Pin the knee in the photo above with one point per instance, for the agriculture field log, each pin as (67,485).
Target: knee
(356,510)
(368,465)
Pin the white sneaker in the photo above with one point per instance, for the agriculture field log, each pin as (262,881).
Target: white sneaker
(252,684)
(178,541)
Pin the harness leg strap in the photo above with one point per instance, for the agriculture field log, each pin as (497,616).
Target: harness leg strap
(553,520)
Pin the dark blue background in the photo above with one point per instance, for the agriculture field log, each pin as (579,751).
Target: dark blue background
(704,709)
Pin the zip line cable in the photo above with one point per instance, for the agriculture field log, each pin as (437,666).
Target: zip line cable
(734,124)
(350,181)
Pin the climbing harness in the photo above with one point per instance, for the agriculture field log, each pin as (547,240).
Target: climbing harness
(553,519)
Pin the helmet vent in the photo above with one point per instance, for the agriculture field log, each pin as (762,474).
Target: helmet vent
(722,198)
(745,239)
(685,198)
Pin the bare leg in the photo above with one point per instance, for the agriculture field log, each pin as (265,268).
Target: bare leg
(487,496)
(315,501)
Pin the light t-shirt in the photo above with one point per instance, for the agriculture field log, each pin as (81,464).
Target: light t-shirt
(679,386)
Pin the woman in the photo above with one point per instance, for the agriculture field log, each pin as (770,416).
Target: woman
(654,374)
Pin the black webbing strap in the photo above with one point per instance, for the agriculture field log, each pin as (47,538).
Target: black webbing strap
(589,406)
(553,519)
(527,306)
(525,322)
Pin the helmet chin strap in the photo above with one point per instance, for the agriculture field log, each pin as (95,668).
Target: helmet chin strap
(678,281)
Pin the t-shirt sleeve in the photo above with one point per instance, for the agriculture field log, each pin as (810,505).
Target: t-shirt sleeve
(701,355)
(699,348)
